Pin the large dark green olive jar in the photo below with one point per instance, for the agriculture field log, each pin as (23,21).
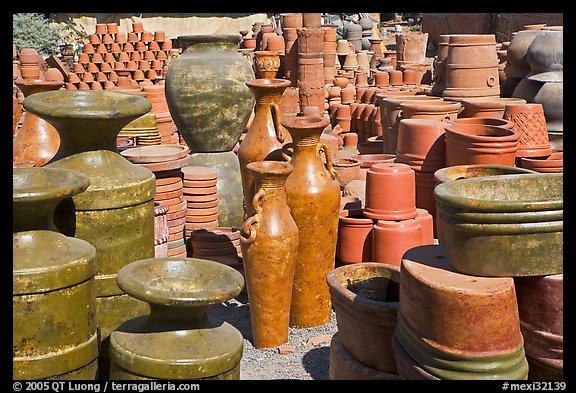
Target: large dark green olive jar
(116,212)
(210,104)
(54,329)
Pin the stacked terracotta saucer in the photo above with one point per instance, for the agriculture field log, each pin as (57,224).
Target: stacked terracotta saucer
(201,195)
(167,161)
(221,244)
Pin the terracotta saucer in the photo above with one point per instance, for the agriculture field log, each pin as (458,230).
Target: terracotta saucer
(175,237)
(201,198)
(200,190)
(205,218)
(176,229)
(202,205)
(175,222)
(160,196)
(171,187)
(202,212)
(193,226)
(172,201)
(192,172)
(167,165)
(176,214)
(200,183)
(176,208)
(155,153)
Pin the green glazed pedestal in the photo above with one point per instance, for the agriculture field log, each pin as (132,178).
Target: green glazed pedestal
(116,213)
(177,339)
(54,330)
(503,225)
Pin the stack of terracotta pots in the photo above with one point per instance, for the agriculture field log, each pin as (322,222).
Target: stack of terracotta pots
(167,130)
(311,64)
(160,230)
(166,162)
(221,244)
(141,55)
(329,52)
(411,55)
(201,194)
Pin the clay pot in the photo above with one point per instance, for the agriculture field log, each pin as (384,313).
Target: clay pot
(291,20)
(179,297)
(365,298)
(266,63)
(314,201)
(513,224)
(411,47)
(458,172)
(530,122)
(391,239)
(455,326)
(551,97)
(545,56)
(347,169)
(439,110)
(344,366)
(477,144)
(53,290)
(485,121)
(266,135)
(554,163)
(487,106)
(269,242)
(36,140)
(541,310)
(421,144)
(390,192)
(354,237)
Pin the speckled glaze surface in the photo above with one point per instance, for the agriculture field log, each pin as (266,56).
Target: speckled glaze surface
(177,339)
(503,225)
(269,241)
(206,92)
(314,199)
(53,304)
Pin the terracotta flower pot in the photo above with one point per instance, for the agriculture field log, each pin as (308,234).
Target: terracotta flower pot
(455,326)
(367,160)
(503,225)
(390,192)
(485,121)
(478,144)
(541,309)
(391,239)
(347,169)
(343,366)
(487,106)
(365,298)
(529,121)
(554,163)
(439,110)
(354,236)
(421,144)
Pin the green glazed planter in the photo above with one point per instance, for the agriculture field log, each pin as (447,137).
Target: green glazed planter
(177,339)
(54,329)
(458,172)
(116,212)
(503,225)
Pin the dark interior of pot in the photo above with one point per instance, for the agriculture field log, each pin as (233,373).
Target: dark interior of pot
(380,289)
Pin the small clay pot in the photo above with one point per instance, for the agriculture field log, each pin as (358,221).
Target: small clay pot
(354,237)
(554,163)
(391,239)
(530,122)
(390,192)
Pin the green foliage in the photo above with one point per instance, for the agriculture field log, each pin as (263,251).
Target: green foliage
(33,30)
(72,33)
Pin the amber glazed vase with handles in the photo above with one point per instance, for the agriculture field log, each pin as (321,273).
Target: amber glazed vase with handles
(313,194)
(265,136)
(269,242)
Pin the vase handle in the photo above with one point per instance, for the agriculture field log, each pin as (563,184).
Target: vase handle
(283,151)
(276,117)
(250,225)
(324,148)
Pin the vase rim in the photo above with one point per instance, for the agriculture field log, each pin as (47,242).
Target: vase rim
(43,183)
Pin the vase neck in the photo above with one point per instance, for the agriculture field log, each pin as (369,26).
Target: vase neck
(265,96)
(38,215)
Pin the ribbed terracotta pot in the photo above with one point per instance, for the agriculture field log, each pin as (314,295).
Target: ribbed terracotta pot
(554,163)
(487,106)
(344,367)
(390,192)
(485,121)
(478,144)
(365,299)
(433,110)
(541,309)
(456,326)
(529,121)
(503,225)
(421,144)
(354,237)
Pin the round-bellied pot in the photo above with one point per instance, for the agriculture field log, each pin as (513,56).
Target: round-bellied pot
(390,192)
(269,241)
(365,299)
(554,163)
(503,225)
(177,339)
(487,106)
(118,204)
(516,61)
(354,243)
(457,326)
(343,366)
(55,333)
(541,309)
(468,144)
(347,169)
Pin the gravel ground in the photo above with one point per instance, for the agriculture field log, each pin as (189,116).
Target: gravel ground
(310,359)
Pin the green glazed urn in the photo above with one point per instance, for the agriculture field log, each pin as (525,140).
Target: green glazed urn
(177,339)
(54,328)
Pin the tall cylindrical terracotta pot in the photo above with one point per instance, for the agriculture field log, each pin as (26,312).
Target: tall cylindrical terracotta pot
(314,200)
(210,104)
(269,242)
(55,333)
(265,136)
(116,212)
